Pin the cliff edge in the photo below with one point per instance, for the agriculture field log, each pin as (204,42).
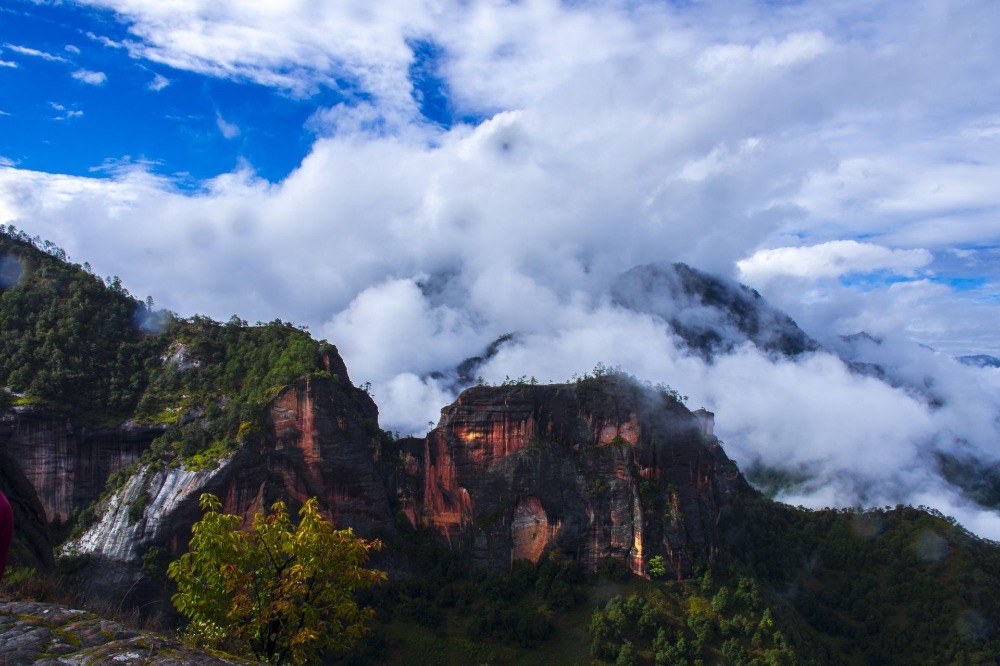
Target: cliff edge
(601,468)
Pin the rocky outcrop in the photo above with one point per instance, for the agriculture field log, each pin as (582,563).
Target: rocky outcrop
(32,545)
(35,633)
(68,466)
(599,469)
(320,439)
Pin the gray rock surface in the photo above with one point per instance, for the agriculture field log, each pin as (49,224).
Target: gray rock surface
(36,633)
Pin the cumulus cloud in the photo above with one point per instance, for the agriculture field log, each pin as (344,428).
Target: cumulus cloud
(807,143)
(949,313)
(831,259)
(392,325)
(90,77)
(273,46)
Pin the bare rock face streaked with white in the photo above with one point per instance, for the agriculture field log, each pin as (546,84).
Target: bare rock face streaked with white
(320,439)
(137,516)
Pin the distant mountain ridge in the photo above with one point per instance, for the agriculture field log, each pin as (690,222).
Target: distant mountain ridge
(980,360)
(709,314)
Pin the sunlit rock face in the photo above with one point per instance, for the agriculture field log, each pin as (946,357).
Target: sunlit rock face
(599,469)
(322,440)
(529,530)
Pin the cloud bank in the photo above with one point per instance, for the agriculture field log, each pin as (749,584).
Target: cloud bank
(840,157)
(831,259)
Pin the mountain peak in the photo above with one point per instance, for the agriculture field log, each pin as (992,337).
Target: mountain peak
(711,315)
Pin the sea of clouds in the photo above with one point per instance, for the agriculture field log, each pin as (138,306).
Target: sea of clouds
(840,157)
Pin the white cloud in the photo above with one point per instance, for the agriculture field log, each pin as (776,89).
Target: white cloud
(34,53)
(8,63)
(229,130)
(391,325)
(272,45)
(808,141)
(107,41)
(420,398)
(64,113)
(158,83)
(831,259)
(738,59)
(90,77)
(69,48)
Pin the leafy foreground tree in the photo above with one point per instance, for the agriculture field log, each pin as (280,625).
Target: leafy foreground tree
(278,593)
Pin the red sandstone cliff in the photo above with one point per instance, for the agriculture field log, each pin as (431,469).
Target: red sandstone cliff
(68,466)
(599,469)
(320,438)
(603,468)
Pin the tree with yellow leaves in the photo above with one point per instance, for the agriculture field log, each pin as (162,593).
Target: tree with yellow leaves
(279,593)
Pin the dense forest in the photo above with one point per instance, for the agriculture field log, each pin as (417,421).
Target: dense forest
(891,585)
(70,339)
(898,585)
(80,345)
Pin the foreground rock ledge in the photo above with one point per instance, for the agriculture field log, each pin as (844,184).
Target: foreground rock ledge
(35,633)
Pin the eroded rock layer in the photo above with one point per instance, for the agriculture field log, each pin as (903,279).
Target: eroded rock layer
(602,468)
(68,466)
(320,439)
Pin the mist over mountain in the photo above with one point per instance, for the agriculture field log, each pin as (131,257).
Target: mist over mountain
(709,315)
(856,420)
(116,417)
(784,212)
(980,360)
(808,151)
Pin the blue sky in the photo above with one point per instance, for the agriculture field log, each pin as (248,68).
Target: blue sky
(75,102)
(783,144)
(324,162)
